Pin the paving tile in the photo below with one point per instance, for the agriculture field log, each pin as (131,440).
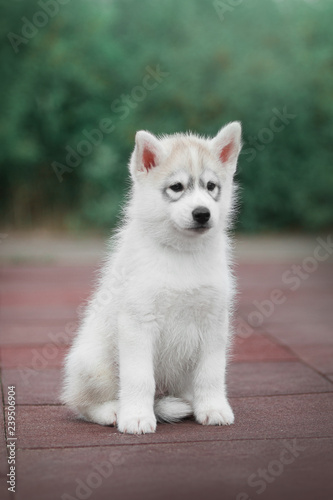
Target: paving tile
(72,296)
(271,378)
(319,356)
(181,471)
(36,387)
(39,276)
(37,313)
(4,493)
(302,333)
(251,274)
(258,348)
(36,357)
(256,417)
(37,332)
(43,293)
(288,313)
(43,249)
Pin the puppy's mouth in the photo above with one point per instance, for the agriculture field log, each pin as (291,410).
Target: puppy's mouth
(200,229)
(195,229)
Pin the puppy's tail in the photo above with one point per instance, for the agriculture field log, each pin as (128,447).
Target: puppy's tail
(170,409)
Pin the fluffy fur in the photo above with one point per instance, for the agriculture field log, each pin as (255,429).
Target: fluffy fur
(154,341)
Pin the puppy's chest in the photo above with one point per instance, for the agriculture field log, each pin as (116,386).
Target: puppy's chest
(187,309)
(185,319)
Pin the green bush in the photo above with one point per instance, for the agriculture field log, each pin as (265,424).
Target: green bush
(219,62)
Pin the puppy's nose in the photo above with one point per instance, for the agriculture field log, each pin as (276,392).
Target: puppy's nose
(201,215)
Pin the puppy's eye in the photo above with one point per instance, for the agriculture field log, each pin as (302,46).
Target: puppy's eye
(177,187)
(211,186)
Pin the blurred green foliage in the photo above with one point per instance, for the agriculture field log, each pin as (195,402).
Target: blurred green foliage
(69,65)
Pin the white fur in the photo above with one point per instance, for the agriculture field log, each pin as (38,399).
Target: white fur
(154,340)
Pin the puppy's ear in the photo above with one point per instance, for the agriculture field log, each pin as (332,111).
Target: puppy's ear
(227,145)
(147,153)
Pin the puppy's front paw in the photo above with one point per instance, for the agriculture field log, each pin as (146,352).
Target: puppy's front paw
(143,424)
(221,415)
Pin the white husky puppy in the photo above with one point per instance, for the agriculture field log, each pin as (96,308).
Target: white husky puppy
(154,340)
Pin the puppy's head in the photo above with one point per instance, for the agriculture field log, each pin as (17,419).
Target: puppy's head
(183,183)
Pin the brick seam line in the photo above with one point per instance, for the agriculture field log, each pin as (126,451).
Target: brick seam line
(290,349)
(52,448)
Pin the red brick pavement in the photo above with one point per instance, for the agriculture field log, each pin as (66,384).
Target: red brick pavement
(280,385)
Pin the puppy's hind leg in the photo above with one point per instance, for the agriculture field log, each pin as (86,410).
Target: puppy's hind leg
(91,383)
(102,414)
